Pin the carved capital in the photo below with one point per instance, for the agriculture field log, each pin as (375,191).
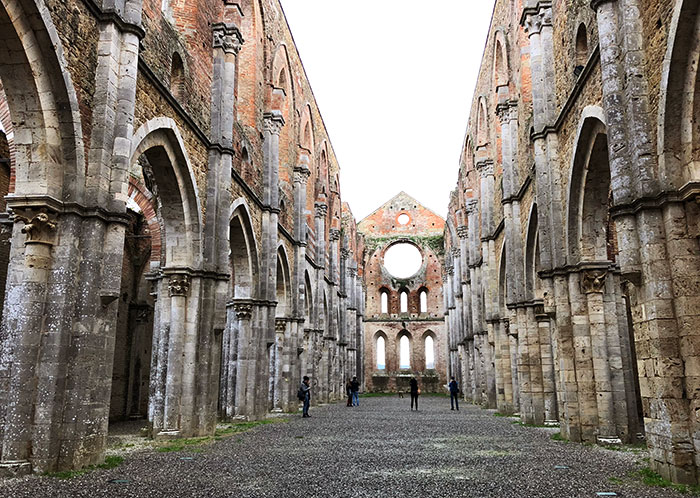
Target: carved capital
(280,325)
(179,285)
(243,310)
(485,168)
(462,231)
(597,3)
(227,37)
(450,270)
(345,254)
(472,206)
(321,209)
(456,252)
(334,234)
(507,111)
(39,225)
(273,122)
(535,18)
(593,281)
(301,174)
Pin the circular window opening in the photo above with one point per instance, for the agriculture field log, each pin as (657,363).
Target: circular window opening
(403,260)
(403,219)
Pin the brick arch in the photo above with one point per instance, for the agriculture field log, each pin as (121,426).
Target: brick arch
(140,195)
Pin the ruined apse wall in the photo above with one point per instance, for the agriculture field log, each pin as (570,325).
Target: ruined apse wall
(573,256)
(381,230)
(178,239)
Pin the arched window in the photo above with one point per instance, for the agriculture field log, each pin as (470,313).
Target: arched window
(581,49)
(381,353)
(384,298)
(177,77)
(404,302)
(404,352)
(429,353)
(424,301)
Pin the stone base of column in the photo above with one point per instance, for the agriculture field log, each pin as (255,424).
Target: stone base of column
(15,468)
(165,435)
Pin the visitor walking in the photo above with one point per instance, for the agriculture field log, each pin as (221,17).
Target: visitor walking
(355,389)
(305,389)
(348,392)
(414,392)
(454,394)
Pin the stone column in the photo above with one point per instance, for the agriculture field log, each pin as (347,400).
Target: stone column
(25,337)
(243,335)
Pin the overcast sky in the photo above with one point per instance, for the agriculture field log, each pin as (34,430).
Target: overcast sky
(394,80)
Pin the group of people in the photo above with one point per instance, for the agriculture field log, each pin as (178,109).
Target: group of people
(352,389)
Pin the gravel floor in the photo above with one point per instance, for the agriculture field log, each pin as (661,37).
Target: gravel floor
(378,449)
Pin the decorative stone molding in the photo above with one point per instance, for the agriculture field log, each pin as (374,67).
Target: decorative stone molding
(472,206)
(597,3)
(273,122)
(462,231)
(345,254)
(280,325)
(321,209)
(227,37)
(485,168)
(301,175)
(39,225)
(507,112)
(334,234)
(179,285)
(535,18)
(243,310)
(593,281)
(456,252)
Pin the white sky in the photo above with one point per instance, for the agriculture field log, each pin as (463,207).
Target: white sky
(394,80)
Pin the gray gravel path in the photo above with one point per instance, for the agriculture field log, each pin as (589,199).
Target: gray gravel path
(378,449)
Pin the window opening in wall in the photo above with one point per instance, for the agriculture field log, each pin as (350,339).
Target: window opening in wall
(429,353)
(404,353)
(384,296)
(177,77)
(423,301)
(403,219)
(581,49)
(381,353)
(403,260)
(404,302)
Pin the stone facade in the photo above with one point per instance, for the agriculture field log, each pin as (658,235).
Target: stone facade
(174,233)
(418,319)
(572,236)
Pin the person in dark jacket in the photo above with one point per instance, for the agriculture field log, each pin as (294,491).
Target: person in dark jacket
(306,389)
(454,394)
(414,392)
(348,392)
(355,390)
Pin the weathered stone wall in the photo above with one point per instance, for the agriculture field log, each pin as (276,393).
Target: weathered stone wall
(178,236)
(574,165)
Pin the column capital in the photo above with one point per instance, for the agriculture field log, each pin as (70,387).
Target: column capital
(227,37)
(507,111)
(537,16)
(243,308)
(273,122)
(485,168)
(334,234)
(593,281)
(597,3)
(456,253)
(280,324)
(301,174)
(345,254)
(39,225)
(472,205)
(462,231)
(321,209)
(179,285)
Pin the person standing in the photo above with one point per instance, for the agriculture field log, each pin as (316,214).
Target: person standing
(348,392)
(355,389)
(414,392)
(306,390)
(454,394)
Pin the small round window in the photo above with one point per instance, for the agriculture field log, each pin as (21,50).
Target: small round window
(403,219)
(403,260)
